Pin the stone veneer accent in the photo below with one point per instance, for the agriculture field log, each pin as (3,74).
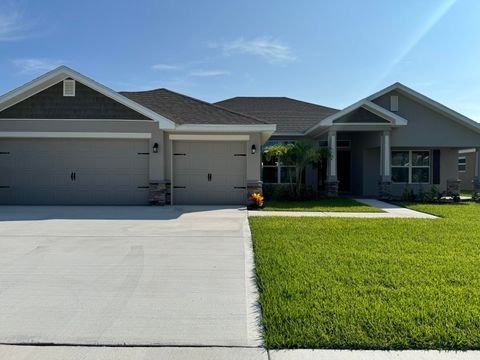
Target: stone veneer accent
(453,186)
(159,193)
(476,185)
(254,187)
(331,188)
(385,190)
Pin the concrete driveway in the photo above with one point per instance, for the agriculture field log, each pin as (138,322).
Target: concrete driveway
(126,275)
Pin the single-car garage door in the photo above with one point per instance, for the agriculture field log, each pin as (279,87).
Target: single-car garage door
(209,172)
(73,171)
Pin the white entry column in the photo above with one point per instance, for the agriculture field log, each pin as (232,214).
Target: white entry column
(385,166)
(332,181)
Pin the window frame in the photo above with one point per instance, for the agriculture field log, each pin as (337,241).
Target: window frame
(410,166)
(464,158)
(278,166)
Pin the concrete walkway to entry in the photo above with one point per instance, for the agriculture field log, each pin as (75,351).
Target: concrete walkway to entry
(390,211)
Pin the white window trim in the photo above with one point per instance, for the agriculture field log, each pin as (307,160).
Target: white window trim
(279,167)
(65,84)
(464,164)
(411,166)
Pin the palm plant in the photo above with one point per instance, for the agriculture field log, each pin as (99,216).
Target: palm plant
(299,154)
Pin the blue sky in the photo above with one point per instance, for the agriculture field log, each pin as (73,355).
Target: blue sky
(327,52)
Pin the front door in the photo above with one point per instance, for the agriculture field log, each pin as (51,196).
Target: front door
(344,170)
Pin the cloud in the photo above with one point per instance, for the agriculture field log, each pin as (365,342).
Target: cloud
(166,67)
(33,65)
(266,47)
(207,73)
(13,25)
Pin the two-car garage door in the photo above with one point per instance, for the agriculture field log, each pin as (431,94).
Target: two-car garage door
(209,172)
(74,171)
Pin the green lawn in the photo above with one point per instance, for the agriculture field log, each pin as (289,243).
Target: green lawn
(333,204)
(371,283)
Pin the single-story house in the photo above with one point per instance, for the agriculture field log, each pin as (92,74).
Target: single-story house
(66,139)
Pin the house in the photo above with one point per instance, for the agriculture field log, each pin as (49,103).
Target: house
(466,168)
(66,139)
(393,140)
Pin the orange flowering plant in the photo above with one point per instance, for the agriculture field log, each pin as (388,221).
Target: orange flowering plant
(256,201)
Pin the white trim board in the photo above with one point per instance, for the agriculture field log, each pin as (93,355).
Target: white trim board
(74,135)
(208,137)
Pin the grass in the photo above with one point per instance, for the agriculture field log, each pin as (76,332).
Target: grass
(371,283)
(333,204)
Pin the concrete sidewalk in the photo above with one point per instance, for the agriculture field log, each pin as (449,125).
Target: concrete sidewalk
(390,211)
(12,352)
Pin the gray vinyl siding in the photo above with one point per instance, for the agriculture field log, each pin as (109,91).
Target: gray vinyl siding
(86,104)
(427,127)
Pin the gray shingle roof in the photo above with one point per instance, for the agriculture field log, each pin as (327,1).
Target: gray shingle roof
(288,114)
(183,109)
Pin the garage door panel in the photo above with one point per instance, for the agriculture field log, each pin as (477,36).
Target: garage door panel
(199,159)
(107,171)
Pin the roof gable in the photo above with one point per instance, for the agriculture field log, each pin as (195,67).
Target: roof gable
(51,103)
(428,102)
(59,74)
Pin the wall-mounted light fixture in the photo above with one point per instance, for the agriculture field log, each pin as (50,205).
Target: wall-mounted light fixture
(254,149)
(155,148)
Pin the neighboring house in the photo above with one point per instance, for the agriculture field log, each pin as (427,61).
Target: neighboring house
(66,139)
(466,168)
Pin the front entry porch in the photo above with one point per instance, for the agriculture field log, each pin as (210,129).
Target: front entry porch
(357,158)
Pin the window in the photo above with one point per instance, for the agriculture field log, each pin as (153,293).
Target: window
(411,167)
(274,172)
(68,87)
(462,164)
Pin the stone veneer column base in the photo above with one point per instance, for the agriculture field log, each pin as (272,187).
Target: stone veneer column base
(453,187)
(476,185)
(385,190)
(331,188)
(254,187)
(159,192)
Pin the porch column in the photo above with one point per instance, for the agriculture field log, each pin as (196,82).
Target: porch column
(385,166)
(332,182)
(476,178)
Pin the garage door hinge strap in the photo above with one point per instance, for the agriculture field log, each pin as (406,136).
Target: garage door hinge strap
(4,152)
(239,154)
(239,187)
(179,187)
(143,187)
(180,154)
(143,153)
(4,187)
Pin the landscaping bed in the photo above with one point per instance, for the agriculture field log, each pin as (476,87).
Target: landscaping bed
(371,283)
(327,205)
